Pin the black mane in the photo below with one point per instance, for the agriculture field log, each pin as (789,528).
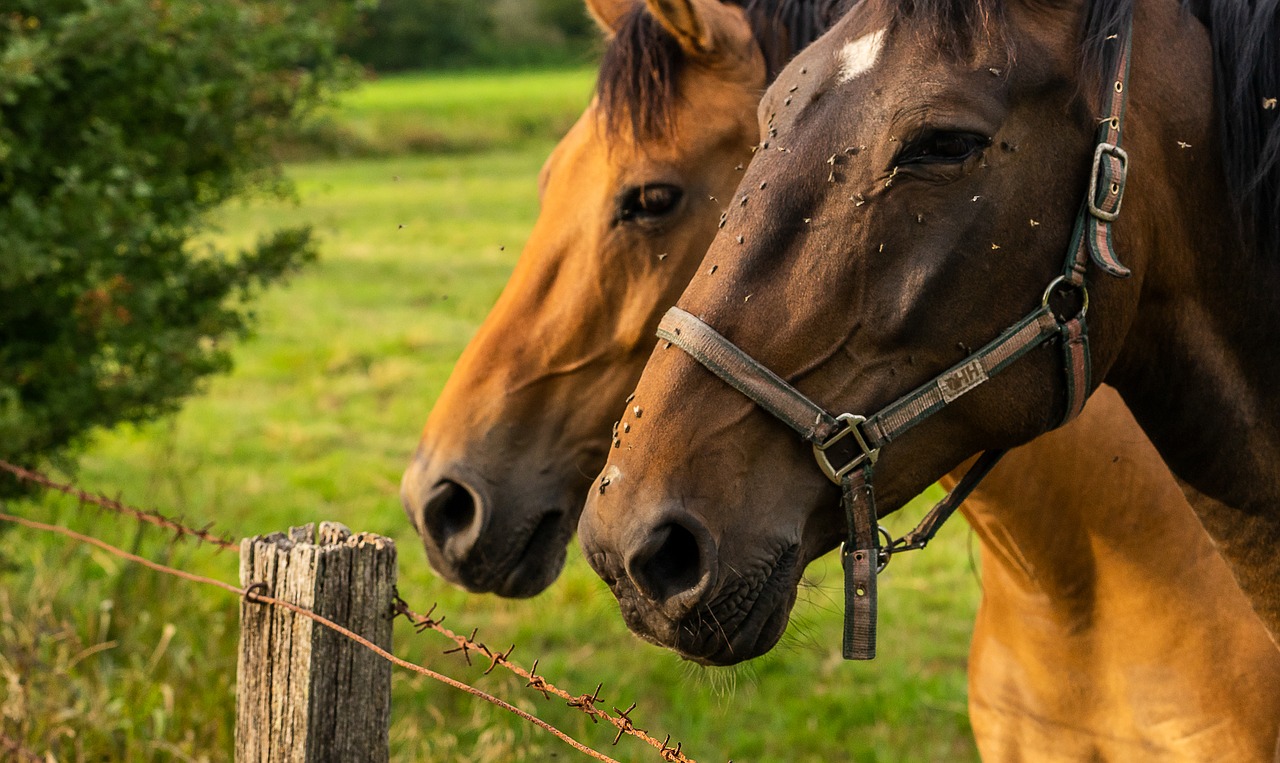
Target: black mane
(639,81)
(1246,75)
(783,28)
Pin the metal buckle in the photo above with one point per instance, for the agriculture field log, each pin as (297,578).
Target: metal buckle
(1103,149)
(1064,281)
(851,423)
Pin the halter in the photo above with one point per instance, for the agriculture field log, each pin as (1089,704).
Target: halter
(862,554)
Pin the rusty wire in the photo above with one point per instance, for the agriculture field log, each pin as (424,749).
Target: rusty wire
(15,747)
(150,516)
(584,702)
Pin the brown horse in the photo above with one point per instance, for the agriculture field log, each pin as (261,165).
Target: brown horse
(924,164)
(630,205)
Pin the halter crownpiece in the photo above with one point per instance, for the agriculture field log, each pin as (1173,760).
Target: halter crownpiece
(862,554)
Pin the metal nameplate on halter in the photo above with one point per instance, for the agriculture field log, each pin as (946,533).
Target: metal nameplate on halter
(961,380)
(1105,149)
(851,423)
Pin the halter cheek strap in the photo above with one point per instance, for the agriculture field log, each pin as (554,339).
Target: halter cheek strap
(862,554)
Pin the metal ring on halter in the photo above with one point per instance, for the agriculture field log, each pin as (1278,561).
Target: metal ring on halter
(885,552)
(1063,281)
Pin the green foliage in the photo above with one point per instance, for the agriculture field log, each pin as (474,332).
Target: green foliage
(401,35)
(122,124)
(410,34)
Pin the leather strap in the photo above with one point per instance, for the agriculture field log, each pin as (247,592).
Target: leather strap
(891,421)
(942,510)
(1110,170)
(860,557)
(747,375)
(1075,366)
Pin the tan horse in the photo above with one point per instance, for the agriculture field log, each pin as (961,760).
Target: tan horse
(1093,641)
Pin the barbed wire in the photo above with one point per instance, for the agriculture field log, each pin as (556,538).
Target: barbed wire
(149,516)
(585,703)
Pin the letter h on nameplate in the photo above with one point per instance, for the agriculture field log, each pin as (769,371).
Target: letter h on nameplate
(962,380)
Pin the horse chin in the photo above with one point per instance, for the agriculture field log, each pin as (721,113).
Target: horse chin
(754,637)
(534,558)
(540,562)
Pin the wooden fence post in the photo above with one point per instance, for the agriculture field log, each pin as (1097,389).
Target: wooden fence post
(305,693)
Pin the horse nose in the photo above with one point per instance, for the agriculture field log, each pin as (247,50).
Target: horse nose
(453,517)
(674,564)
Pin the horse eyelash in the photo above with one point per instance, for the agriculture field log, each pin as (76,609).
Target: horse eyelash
(912,145)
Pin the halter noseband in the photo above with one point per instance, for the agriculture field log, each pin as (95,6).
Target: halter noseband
(862,554)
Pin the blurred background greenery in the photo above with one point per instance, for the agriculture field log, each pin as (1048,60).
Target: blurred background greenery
(404,35)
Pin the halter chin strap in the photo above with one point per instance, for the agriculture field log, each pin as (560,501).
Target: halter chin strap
(862,554)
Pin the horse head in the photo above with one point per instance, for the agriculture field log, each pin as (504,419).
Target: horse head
(630,199)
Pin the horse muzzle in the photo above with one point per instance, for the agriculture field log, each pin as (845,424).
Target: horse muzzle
(672,591)
(514,549)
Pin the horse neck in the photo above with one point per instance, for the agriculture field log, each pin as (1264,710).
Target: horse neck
(1202,384)
(1086,542)
(1058,518)
(1197,366)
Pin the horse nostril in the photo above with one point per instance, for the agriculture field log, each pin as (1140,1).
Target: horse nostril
(457,511)
(671,567)
(452,517)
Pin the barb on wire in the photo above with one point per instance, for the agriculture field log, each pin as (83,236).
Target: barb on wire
(149,516)
(255,593)
(584,702)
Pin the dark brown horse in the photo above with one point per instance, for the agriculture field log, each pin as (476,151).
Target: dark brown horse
(1066,586)
(921,170)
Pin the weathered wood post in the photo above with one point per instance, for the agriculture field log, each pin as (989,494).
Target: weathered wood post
(305,693)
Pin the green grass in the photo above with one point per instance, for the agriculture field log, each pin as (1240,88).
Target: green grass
(100,660)
(448,113)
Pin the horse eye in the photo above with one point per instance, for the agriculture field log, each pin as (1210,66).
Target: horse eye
(942,147)
(646,203)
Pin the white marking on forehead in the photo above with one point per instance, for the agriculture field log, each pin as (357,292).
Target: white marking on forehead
(859,56)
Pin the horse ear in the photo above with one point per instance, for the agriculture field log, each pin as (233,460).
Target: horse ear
(608,13)
(694,23)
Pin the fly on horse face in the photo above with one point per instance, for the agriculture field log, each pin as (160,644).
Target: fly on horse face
(1059,620)
(941,207)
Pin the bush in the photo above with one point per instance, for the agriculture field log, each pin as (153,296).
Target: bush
(400,35)
(122,124)
(403,35)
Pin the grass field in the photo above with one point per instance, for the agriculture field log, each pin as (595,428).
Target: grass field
(105,661)
(450,113)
